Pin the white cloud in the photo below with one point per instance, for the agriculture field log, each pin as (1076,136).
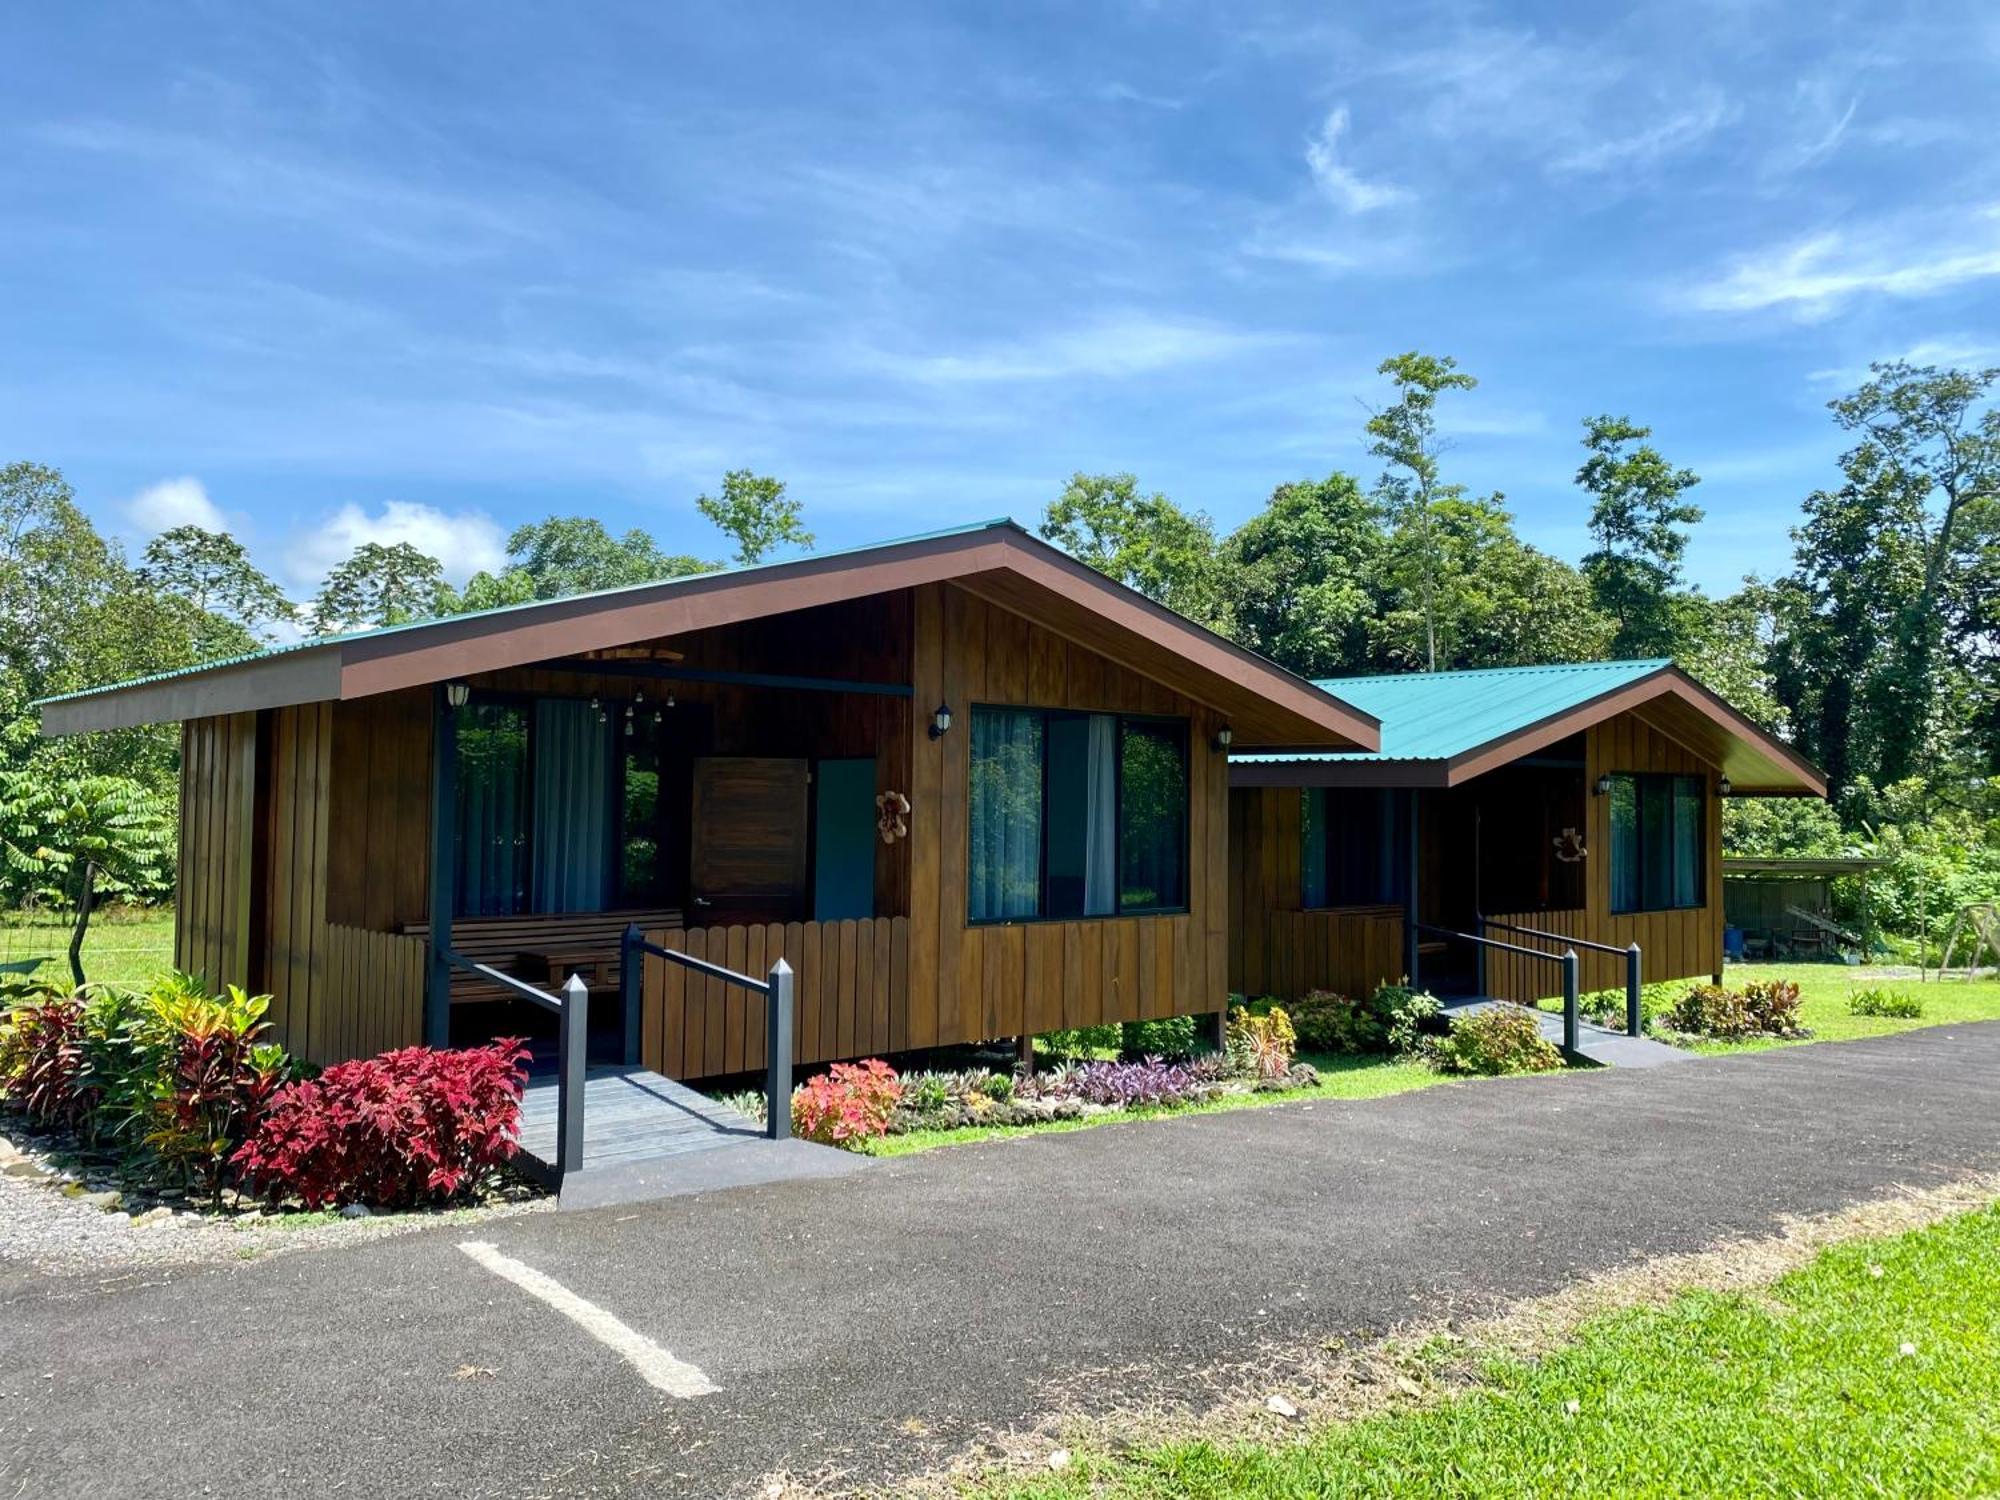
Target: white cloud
(1675,133)
(1339,181)
(1811,278)
(174,502)
(1106,349)
(465,541)
(1957,352)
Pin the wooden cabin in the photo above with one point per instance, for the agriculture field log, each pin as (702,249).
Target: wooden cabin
(967,787)
(1580,802)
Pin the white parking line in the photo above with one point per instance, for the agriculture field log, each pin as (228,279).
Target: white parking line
(656,1366)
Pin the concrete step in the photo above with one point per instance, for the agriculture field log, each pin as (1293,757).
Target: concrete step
(1598,1044)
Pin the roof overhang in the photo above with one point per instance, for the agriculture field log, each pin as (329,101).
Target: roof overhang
(1266,706)
(1757,762)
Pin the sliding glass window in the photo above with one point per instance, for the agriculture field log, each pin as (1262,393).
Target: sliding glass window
(1658,842)
(1076,815)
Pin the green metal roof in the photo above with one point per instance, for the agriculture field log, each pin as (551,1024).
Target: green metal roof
(315,642)
(1441,715)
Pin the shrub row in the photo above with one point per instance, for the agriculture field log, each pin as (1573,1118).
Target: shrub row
(1763,1008)
(186,1088)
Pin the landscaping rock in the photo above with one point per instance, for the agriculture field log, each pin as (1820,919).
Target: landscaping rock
(1279,1406)
(157,1215)
(107,1200)
(355,1211)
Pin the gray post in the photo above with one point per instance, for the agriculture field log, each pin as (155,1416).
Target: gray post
(631,969)
(444,811)
(778,1053)
(572,1057)
(1569,1001)
(1635,1022)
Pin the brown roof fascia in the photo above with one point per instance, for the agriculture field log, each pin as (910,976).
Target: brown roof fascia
(1356,773)
(308,676)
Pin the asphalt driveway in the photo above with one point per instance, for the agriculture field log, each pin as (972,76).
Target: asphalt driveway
(872,1322)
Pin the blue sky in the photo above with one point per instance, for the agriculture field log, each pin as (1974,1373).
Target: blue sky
(325,273)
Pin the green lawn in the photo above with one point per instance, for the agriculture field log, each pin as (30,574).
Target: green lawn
(1870,1371)
(1824,990)
(122,946)
(1342,1076)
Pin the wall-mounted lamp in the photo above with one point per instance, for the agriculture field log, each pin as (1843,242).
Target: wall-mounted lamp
(1603,787)
(940,721)
(1723,787)
(456,693)
(1224,737)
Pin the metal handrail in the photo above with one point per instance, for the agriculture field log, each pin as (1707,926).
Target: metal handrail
(1635,1021)
(776,988)
(1567,959)
(572,1010)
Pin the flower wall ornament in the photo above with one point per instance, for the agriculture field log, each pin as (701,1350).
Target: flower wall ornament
(1570,848)
(892,814)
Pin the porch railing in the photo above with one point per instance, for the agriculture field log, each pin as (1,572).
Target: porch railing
(572,1011)
(1567,959)
(775,987)
(1635,1021)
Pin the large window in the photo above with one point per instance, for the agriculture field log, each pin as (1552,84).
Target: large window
(1354,847)
(1076,815)
(1658,824)
(557,809)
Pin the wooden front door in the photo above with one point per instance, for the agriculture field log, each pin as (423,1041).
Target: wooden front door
(748,846)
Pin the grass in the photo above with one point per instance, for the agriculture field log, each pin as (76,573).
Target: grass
(1342,1076)
(1824,990)
(1867,1371)
(123,945)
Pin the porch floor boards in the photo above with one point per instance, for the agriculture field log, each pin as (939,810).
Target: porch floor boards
(1598,1044)
(631,1114)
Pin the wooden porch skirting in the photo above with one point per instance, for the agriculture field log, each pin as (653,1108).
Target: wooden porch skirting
(1286,954)
(1672,945)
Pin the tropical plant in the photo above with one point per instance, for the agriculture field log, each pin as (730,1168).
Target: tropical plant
(217,1077)
(409,1127)
(1170,1036)
(1898,1005)
(1259,1046)
(847,1105)
(49,826)
(1498,1039)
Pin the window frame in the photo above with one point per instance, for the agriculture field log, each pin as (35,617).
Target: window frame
(1646,785)
(1181,722)
(1395,812)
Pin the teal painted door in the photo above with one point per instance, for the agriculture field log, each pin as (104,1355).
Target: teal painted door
(844,840)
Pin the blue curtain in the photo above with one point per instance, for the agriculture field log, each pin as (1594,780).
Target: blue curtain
(1688,840)
(492,810)
(572,843)
(1006,834)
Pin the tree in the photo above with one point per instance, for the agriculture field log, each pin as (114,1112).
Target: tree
(754,509)
(1925,437)
(49,826)
(1144,541)
(1460,589)
(1406,440)
(1305,575)
(566,555)
(213,572)
(1638,520)
(381,585)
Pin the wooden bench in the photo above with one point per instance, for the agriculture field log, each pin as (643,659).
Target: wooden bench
(542,948)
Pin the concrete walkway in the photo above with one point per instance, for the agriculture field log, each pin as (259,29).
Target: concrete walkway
(874,1323)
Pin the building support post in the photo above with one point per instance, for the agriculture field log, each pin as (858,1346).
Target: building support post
(1024,1055)
(444,812)
(1410,893)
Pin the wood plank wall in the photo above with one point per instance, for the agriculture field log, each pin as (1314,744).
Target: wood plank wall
(1275,947)
(851,994)
(379,773)
(975,982)
(217,862)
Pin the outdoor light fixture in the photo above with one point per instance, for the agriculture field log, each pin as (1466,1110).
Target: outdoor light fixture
(1604,785)
(1723,786)
(455,693)
(1224,737)
(940,721)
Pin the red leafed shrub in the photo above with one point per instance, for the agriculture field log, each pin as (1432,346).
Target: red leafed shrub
(848,1104)
(408,1127)
(43,1056)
